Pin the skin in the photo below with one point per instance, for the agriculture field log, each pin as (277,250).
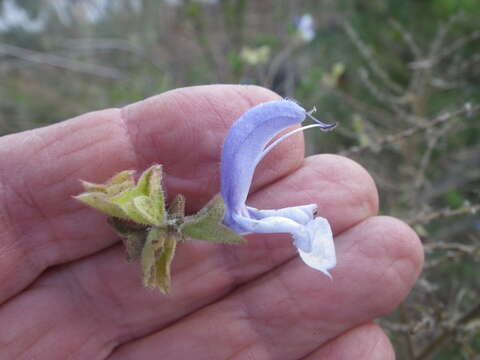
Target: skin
(66,291)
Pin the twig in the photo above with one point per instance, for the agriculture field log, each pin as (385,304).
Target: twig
(378,93)
(421,179)
(106,44)
(467,109)
(436,343)
(407,38)
(470,209)
(61,62)
(465,64)
(201,35)
(366,52)
(458,44)
(103,44)
(468,249)
(278,61)
(462,168)
(375,112)
(408,339)
(441,35)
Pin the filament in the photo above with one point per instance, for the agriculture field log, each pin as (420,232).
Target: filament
(284,136)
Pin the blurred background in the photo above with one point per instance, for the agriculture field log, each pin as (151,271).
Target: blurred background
(402,79)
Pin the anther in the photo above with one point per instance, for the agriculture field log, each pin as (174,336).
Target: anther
(323,126)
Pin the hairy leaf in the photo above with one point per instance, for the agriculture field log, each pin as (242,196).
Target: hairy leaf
(100,202)
(176,209)
(157,256)
(144,211)
(132,234)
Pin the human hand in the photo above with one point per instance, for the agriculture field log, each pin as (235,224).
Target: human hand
(67,292)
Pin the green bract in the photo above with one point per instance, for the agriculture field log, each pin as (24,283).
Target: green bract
(138,214)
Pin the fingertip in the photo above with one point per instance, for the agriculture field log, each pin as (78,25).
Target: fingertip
(339,182)
(403,243)
(390,255)
(345,171)
(364,342)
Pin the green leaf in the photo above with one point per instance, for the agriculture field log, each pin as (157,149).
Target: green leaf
(154,243)
(157,256)
(155,191)
(119,182)
(100,202)
(144,211)
(129,194)
(132,234)
(176,209)
(134,243)
(122,176)
(134,213)
(206,224)
(164,262)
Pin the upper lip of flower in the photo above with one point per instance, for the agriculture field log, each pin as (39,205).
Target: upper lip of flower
(244,147)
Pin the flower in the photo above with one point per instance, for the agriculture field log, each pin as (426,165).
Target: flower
(244,147)
(255,56)
(305,27)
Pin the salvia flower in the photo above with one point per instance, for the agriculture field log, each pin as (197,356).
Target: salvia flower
(244,147)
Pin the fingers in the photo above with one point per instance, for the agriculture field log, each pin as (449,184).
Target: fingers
(40,170)
(121,309)
(293,310)
(365,342)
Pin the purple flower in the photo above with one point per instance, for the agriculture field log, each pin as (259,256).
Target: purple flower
(244,147)
(306,27)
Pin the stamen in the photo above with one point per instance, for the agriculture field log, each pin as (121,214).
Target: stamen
(324,126)
(283,137)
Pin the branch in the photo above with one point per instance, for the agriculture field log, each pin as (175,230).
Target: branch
(421,179)
(366,52)
(375,112)
(436,343)
(59,61)
(467,249)
(467,109)
(407,38)
(458,44)
(469,209)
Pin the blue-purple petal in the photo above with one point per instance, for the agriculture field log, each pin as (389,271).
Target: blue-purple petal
(244,145)
(243,148)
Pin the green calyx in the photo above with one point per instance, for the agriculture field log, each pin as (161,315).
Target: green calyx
(138,214)
(207,224)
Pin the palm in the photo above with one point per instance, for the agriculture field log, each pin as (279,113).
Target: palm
(66,291)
